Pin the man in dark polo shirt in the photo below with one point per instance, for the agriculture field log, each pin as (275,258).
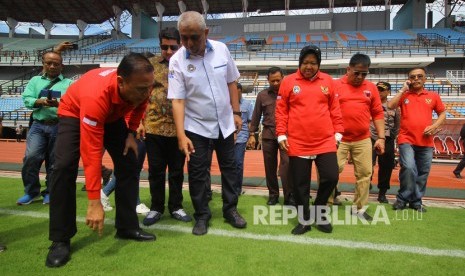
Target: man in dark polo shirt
(265,105)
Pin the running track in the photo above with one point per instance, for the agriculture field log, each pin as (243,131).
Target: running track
(440,177)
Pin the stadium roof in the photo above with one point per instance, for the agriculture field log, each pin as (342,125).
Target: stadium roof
(98,11)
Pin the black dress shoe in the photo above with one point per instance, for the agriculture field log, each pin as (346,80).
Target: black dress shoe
(272,200)
(398,205)
(200,227)
(59,254)
(457,175)
(419,208)
(325,227)
(382,199)
(137,235)
(301,229)
(235,219)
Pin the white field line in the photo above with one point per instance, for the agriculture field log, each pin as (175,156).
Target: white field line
(281,238)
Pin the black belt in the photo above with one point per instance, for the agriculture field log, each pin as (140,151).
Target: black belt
(48,122)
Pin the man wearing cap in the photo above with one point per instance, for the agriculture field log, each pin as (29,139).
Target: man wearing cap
(391,129)
(360,103)
(308,120)
(416,137)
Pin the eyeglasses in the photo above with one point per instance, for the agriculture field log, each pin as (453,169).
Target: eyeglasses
(362,73)
(380,89)
(194,37)
(419,76)
(172,47)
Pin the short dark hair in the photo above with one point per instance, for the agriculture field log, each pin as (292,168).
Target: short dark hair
(359,58)
(170,33)
(148,54)
(133,62)
(51,52)
(273,70)
(416,68)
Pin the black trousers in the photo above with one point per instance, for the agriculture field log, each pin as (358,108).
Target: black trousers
(163,152)
(198,173)
(63,186)
(300,172)
(385,164)
(270,149)
(461,164)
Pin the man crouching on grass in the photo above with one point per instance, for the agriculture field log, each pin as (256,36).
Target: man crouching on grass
(92,117)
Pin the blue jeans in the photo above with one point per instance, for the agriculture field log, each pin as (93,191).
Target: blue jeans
(40,147)
(415,167)
(141,152)
(239,153)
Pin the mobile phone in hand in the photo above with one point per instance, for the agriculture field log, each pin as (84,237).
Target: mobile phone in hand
(410,85)
(49,95)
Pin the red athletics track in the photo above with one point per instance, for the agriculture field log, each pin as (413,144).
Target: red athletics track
(440,177)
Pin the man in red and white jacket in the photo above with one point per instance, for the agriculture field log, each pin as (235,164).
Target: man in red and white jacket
(92,117)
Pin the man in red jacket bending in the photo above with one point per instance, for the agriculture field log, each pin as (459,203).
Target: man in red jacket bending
(92,117)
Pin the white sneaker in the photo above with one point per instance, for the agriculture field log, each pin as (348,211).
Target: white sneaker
(142,209)
(105,202)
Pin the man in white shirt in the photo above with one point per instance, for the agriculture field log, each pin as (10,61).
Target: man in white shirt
(202,85)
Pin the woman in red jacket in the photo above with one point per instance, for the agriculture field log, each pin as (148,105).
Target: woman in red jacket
(308,125)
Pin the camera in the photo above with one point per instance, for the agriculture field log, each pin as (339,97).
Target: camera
(75,46)
(49,94)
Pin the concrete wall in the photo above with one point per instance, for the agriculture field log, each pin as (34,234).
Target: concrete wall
(301,23)
(143,26)
(412,15)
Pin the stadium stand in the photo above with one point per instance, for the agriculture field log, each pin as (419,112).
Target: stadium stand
(452,147)
(440,148)
(27,44)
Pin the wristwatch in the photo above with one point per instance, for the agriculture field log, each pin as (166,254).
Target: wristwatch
(238,113)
